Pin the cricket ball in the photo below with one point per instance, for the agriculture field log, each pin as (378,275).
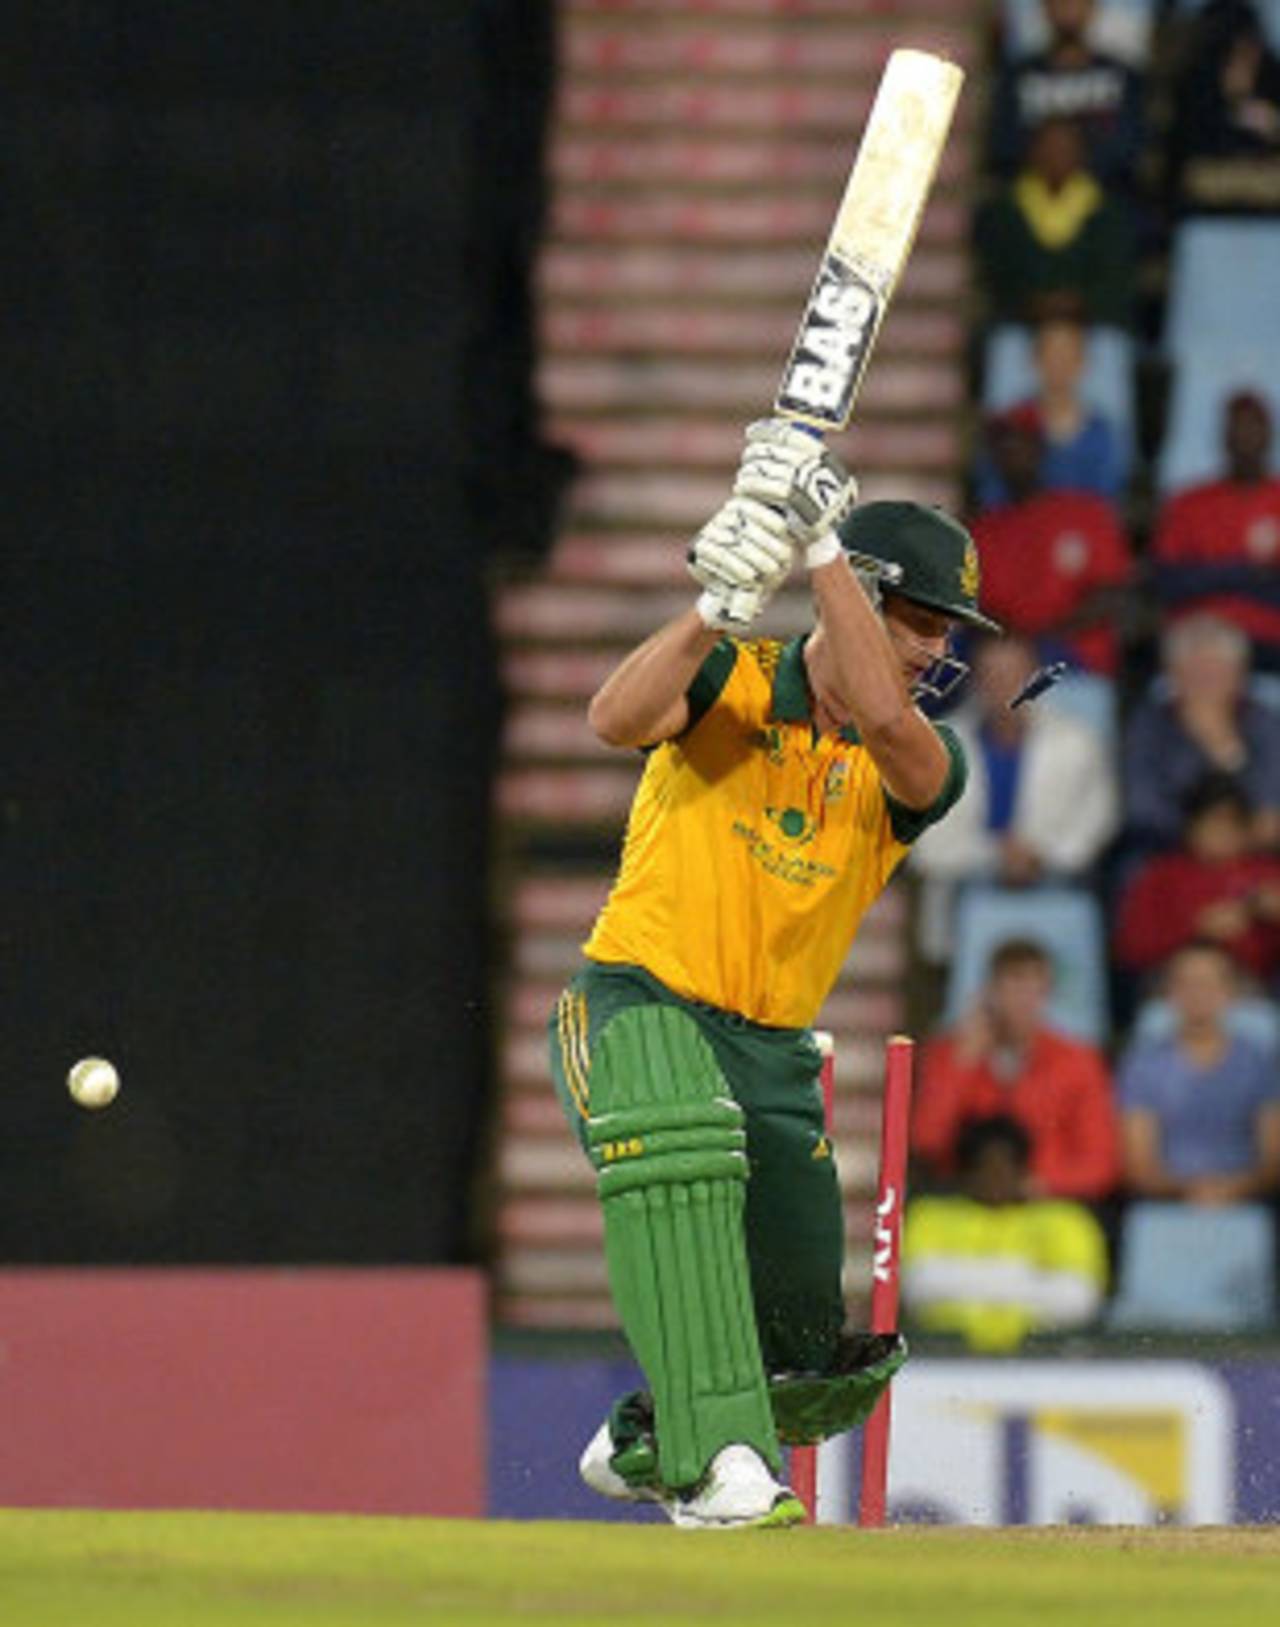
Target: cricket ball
(93,1082)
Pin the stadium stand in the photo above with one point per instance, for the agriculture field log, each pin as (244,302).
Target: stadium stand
(1195,1270)
(695,169)
(1067,921)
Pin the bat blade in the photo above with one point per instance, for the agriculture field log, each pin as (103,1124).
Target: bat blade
(871,240)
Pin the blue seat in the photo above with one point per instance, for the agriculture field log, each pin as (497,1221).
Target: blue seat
(1122,28)
(1009,376)
(1089,698)
(1204,377)
(1185,1268)
(1253,1018)
(1067,921)
(1223,277)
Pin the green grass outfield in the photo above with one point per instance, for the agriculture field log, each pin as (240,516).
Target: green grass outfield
(196,1570)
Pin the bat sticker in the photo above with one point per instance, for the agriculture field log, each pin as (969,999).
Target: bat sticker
(832,347)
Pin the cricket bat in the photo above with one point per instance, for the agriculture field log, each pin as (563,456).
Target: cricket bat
(871,239)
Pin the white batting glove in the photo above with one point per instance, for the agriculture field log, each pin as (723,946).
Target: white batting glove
(741,557)
(731,610)
(788,468)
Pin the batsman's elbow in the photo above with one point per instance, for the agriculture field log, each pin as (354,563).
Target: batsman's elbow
(913,762)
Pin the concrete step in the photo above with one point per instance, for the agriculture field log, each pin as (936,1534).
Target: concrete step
(828,107)
(934,444)
(718,275)
(759,218)
(740,389)
(672,328)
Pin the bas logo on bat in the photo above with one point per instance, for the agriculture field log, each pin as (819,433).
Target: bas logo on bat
(871,238)
(832,347)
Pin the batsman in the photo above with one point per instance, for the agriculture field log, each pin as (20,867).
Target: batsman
(782,785)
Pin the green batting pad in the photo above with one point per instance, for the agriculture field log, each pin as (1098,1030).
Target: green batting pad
(667,1140)
(812,1407)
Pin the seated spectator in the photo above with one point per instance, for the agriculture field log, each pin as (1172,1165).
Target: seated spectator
(992,1263)
(1201,1110)
(1080,449)
(1026,765)
(1198,719)
(1217,546)
(1216,887)
(1225,138)
(1070,79)
(1055,564)
(1003,1058)
(1052,242)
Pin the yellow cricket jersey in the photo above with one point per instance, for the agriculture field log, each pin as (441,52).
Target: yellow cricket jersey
(755,846)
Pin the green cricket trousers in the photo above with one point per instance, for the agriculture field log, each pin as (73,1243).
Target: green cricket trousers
(793,1213)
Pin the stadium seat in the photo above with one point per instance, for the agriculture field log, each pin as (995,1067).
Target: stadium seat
(1091,699)
(1009,376)
(1187,1268)
(1265,687)
(1268,13)
(1252,1018)
(1223,276)
(1204,377)
(1122,28)
(1066,921)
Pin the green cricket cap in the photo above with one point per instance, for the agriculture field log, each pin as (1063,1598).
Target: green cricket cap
(936,556)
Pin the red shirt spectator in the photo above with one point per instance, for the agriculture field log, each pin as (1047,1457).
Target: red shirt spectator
(1043,558)
(1217,546)
(1003,1059)
(1051,560)
(1213,887)
(1225,523)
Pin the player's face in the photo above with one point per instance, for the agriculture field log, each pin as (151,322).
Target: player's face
(920,636)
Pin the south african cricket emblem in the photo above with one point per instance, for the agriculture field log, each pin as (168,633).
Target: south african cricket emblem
(969,573)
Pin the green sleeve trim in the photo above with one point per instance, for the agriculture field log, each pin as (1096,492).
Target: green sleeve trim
(910,823)
(709,681)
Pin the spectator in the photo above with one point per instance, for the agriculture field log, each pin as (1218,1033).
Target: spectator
(1055,564)
(1052,242)
(1198,719)
(1069,79)
(1216,887)
(1003,1058)
(992,1263)
(1080,449)
(1201,1110)
(1217,546)
(1225,138)
(1025,767)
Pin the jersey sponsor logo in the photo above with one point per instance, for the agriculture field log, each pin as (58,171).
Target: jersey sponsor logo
(832,347)
(1055,95)
(774,861)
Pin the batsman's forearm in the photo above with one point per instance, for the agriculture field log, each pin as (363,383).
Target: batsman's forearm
(643,699)
(867,671)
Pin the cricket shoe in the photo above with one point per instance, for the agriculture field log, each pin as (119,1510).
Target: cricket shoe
(736,1493)
(596,1467)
